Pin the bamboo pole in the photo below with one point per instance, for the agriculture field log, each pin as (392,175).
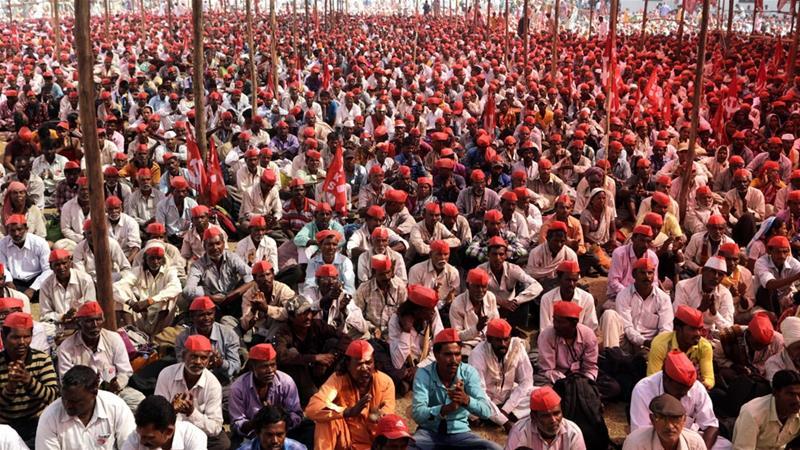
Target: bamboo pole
(108,19)
(680,22)
(755,11)
(730,17)
(505,36)
(273,47)
(696,96)
(56,28)
(10,11)
(527,24)
(169,16)
(488,19)
(253,77)
(592,6)
(198,84)
(644,22)
(97,205)
(141,9)
(795,40)
(612,37)
(554,51)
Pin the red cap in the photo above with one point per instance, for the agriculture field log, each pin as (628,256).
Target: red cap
(761,328)
(652,219)
(111,171)
(155,249)
(262,352)
(557,225)
(16,219)
(155,228)
(509,196)
(447,336)
(643,230)
(257,221)
(202,304)
(197,343)
(493,215)
(396,195)
(381,263)
(440,246)
(729,249)
(327,270)
(477,175)
(392,426)
(679,369)
(9,303)
(689,316)
(113,202)
(380,233)
(268,176)
(178,183)
(568,266)
(211,233)
(359,349)
(497,241)
(545,163)
(498,328)
(199,210)
(72,165)
(567,309)
(58,254)
(376,212)
(544,399)
(323,207)
(422,296)
(261,267)
(778,242)
(449,209)
(328,234)
(716,219)
(89,309)
(661,198)
(644,264)
(478,276)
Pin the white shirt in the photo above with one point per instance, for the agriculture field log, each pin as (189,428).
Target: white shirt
(525,434)
(584,299)
(111,424)
(267,250)
(689,292)
(766,271)
(125,232)
(72,219)
(83,258)
(508,382)
(27,263)
(643,319)
(645,438)
(55,300)
(10,440)
(110,360)
(464,317)
(697,403)
(402,344)
(207,393)
(186,437)
(254,203)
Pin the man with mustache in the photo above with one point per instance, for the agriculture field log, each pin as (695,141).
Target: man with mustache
(157,427)
(85,415)
(771,421)
(62,293)
(270,425)
(347,407)
(194,391)
(667,415)
(546,427)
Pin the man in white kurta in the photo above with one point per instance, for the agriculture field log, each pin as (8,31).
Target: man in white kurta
(65,289)
(472,310)
(706,293)
(258,246)
(568,290)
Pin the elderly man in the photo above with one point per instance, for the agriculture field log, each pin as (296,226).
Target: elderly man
(123,228)
(360,241)
(328,241)
(373,193)
(478,247)
(430,229)
(706,293)
(506,373)
(264,304)
(568,291)
(220,275)
(398,218)
(445,394)
(195,393)
(102,350)
(789,357)
(308,348)
(323,221)
(477,200)
(667,416)
(175,209)
(744,200)
(546,426)
(472,310)
(546,257)
(147,295)
(566,347)
(263,384)
(379,297)
(257,246)
(156,233)
(30,382)
(84,415)
(686,337)
(84,259)
(347,405)
(224,362)
(620,274)
(25,256)
(379,241)
(64,290)
(337,309)
(193,245)
(74,212)
(142,203)
(775,275)
(679,379)
(704,245)
(437,273)
(771,421)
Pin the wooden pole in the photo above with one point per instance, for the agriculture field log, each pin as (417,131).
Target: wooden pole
(644,22)
(554,51)
(273,46)
(680,22)
(141,6)
(592,6)
(198,83)
(97,205)
(795,40)
(56,27)
(169,16)
(253,77)
(730,17)
(755,11)
(696,97)
(525,29)
(108,19)
(505,36)
(488,19)
(10,11)
(612,36)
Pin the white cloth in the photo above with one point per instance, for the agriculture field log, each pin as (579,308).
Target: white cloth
(697,403)
(126,233)
(689,293)
(643,319)
(186,437)
(464,318)
(645,438)
(83,258)
(10,440)
(111,424)
(525,434)
(207,394)
(507,383)
(55,300)
(72,219)
(402,344)
(110,360)
(267,250)
(30,262)
(584,299)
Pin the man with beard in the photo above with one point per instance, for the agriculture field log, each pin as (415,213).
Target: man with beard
(262,199)
(25,255)
(566,347)
(123,228)
(112,185)
(67,188)
(445,394)
(175,209)
(471,310)
(546,426)
(492,226)
(73,213)
(84,416)
(270,428)
(667,415)
(360,239)
(771,421)
(379,246)
(380,296)
(193,245)
(544,260)
(22,173)
(347,407)
(148,294)
(195,392)
(264,304)
(328,242)
(620,274)
(262,385)
(705,244)
(569,273)
(30,382)
(506,373)
(743,200)
(706,293)
(101,350)
(257,246)
(431,229)
(477,200)
(65,290)
(438,274)
(157,427)
(220,275)
(686,337)
(775,275)
(141,204)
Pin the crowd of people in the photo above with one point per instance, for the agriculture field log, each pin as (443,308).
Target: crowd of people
(512,249)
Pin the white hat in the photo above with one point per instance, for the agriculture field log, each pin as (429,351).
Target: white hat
(787,137)
(717,263)
(349,123)
(170,135)
(790,329)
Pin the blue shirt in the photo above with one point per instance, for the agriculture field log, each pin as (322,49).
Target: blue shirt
(343,264)
(244,402)
(430,395)
(288,444)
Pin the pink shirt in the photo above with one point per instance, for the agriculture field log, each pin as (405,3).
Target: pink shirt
(557,358)
(620,274)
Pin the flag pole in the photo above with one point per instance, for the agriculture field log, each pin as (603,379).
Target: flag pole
(795,41)
(107,20)
(698,90)
(198,84)
(755,11)
(730,17)
(56,28)
(644,23)
(97,205)
(273,44)
(253,77)
(612,37)
(488,19)
(680,23)
(525,28)
(505,36)
(554,51)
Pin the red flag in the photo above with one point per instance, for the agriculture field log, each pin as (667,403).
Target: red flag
(666,106)
(761,79)
(489,120)
(777,57)
(335,183)
(718,122)
(649,89)
(734,87)
(197,178)
(216,184)
(326,74)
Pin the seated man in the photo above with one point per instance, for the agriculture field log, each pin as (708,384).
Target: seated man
(739,281)
(220,275)
(83,256)
(156,232)
(641,312)
(430,229)
(64,290)
(743,199)
(566,347)
(771,421)
(679,379)
(445,394)
(478,247)
(308,349)
(775,276)
(742,351)
(73,213)
(346,405)
(264,304)
(473,309)
(44,333)
(437,273)
(568,291)
(30,383)
(398,218)
(379,241)
(123,228)
(25,256)
(506,373)
(335,305)
(789,356)
(262,199)
(545,258)
(706,293)
(257,246)
(193,244)
(360,239)
(379,297)
(270,427)
(323,221)
(392,434)
(224,362)
(705,244)
(546,426)
(328,241)
(157,426)
(620,274)
(686,337)
(195,393)
(667,416)
(175,209)
(102,350)
(141,204)
(263,384)
(62,425)
(147,295)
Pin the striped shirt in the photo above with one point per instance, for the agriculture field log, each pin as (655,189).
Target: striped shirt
(28,401)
